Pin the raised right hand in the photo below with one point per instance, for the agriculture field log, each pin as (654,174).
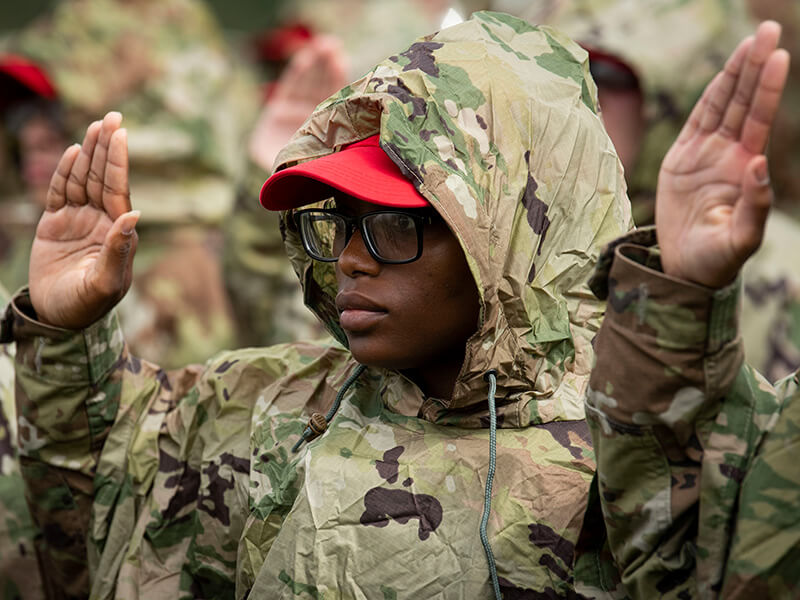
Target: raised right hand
(82,256)
(315,72)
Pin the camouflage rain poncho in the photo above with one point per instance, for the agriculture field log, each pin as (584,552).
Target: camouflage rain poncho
(189,476)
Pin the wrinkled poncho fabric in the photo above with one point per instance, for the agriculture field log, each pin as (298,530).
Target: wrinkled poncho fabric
(189,476)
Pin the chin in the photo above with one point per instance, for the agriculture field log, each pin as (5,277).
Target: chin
(371,354)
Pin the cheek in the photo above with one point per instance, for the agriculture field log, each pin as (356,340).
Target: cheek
(451,300)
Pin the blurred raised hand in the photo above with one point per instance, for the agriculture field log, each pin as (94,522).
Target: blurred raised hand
(315,72)
(82,256)
(713,193)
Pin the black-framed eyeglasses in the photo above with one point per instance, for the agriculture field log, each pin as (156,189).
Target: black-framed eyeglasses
(391,236)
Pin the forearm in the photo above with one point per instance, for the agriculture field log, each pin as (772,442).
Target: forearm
(667,352)
(84,405)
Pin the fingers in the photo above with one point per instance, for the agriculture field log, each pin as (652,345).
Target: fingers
(116,198)
(56,193)
(315,72)
(300,74)
(751,211)
(97,167)
(76,182)
(334,65)
(693,123)
(764,106)
(766,41)
(114,267)
(718,93)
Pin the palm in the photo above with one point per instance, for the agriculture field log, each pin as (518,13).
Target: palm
(314,73)
(712,200)
(80,260)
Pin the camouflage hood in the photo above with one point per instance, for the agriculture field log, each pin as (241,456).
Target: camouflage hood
(496,123)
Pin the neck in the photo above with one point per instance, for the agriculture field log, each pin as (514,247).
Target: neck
(437,380)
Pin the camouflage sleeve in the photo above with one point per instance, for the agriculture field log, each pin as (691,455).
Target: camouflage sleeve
(670,453)
(69,398)
(766,546)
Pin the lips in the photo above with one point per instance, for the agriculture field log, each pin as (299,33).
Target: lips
(358,313)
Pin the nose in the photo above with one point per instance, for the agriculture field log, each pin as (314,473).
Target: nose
(355,258)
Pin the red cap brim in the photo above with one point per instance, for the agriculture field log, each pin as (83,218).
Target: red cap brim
(362,170)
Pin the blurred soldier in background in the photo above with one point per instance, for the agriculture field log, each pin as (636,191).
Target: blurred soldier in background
(771,307)
(268,303)
(188,106)
(651,62)
(34,138)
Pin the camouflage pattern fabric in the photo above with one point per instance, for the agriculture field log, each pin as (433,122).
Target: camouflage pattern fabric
(19,568)
(676,421)
(193,487)
(765,551)
(187,104)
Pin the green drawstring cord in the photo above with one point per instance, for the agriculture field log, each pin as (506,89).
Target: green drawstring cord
(491,377)
(320,428)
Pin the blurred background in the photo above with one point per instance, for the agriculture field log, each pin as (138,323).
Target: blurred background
(233,15)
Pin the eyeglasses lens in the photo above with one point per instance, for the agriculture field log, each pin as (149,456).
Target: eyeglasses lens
(393,236)
(324,234)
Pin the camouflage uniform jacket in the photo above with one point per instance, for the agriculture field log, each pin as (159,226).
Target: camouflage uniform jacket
(692,492)
(189,476)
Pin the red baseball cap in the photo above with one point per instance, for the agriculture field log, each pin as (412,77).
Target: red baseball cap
(362,170)
(28,74)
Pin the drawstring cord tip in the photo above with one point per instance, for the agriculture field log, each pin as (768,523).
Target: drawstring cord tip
(318,423)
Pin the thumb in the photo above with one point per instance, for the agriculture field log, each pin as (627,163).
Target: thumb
(751,211)
(114,267)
